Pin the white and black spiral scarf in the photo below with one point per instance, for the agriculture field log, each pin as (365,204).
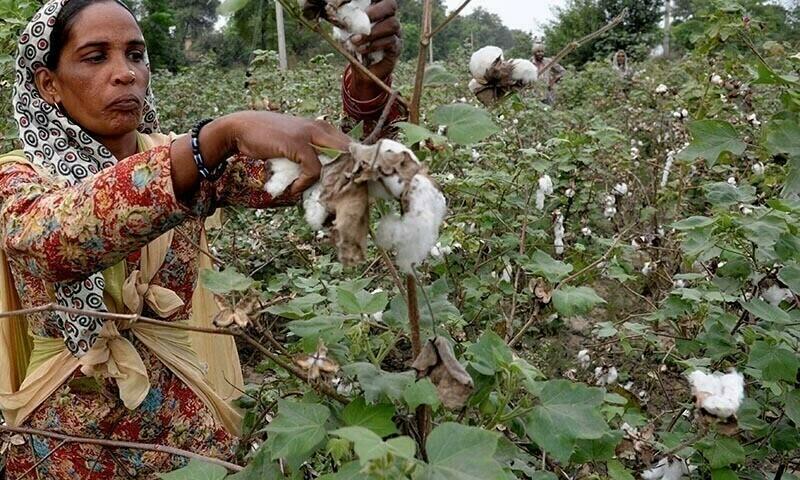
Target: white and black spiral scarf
(54,142)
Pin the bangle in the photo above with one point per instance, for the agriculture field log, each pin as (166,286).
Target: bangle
(205,173)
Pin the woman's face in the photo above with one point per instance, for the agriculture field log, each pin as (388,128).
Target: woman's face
(101,78)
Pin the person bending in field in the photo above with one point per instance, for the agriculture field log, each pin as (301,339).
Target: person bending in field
(100,212)
(550,77)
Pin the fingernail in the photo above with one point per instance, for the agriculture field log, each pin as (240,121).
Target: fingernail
(357,38)
(363,48)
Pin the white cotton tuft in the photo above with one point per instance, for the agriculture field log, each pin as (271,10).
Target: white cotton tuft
(717,393)
(648,268)
(284,172)
(413,234)
(584,360)
(475,85)
(315,211)
(774,295)
(662,89)
(732,181)
(569,193)
(506,275)
(540,197)
(546,184)
(524,71)
(610,212)
(621,189)
(482,60)
(606,376)
(667,168)
(667,469)
(476,155)
(758,168)
(558,234)
(716,80)
(586,231)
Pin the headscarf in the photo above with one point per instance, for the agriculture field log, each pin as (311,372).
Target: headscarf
(52,141)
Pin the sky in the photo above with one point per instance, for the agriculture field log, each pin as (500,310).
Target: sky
(527,15)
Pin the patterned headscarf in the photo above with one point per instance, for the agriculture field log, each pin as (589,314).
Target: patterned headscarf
(52,141)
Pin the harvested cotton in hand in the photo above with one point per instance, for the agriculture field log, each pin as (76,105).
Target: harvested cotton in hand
(348,17)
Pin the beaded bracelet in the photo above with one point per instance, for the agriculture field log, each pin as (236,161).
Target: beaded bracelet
(205,173)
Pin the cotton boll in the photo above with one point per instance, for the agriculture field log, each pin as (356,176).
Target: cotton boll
(284,172)
(586,231)
(315,211)
(558,234)
(584,359)
(610,212)
(667,469)
(685,113)
(546,184)
(716,80)
(732,181)
(774,295)
(606,376)
(413,234)
(621,189)
(482,60)
(667,168)
(758,168)
(662,89)
(569,193)
(506,275)
(476,155)
(540,198)
(524,71)
(648,268)
(717,393)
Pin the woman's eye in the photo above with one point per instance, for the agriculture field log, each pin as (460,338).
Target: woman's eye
(96,58)
(136,55)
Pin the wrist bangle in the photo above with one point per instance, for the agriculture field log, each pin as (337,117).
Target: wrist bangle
(205,173)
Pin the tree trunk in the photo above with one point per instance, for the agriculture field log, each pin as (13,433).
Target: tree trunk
(281,36)
(667,26)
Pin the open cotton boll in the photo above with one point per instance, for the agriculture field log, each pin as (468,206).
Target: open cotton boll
(606,376)
(284,172)
(667,469)
(546,184)
(315,211)
(413,234)
(719,394)
(558,234)
(524,71)
(584,360)
(482,60)
(775,295)
(475,86)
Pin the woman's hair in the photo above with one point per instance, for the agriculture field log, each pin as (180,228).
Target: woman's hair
(64,21)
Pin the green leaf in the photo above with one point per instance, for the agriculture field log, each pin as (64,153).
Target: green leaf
(722,451)
(459,452)
(437,74)
(196,470)
(723,194)
(377,384)
(766,311)
(361,302)
(710,139)
(571,301)
(543,264)
(260,468)
(377,418)
(693,222)
(790,275)
(466,124)
(792,402)
(775,363)
(415,133)
(421,392)
(226,281)
(782,137)
(723,474)
(597,449)
(489,354)
(229,7)
(567,412)
(297,431)
(617,471)
(369,446)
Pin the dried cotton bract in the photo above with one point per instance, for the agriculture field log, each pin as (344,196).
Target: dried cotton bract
(349,18)
(717,393)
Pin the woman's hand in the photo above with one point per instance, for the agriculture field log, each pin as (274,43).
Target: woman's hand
(261,135)
(385,36)
(273,135)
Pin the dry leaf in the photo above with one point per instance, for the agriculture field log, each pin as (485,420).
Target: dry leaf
(239,314)
(542,291)
(317,363)
(437,361)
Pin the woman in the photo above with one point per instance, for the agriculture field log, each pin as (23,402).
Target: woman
(100,214)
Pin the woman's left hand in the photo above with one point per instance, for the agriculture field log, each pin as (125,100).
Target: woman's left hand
(385,36)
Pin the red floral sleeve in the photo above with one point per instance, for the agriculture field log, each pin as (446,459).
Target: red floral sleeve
(62,233)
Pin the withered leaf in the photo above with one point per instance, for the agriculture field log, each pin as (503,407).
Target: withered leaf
(437,361)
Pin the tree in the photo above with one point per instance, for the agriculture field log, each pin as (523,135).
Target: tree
(158,26)
(194,20)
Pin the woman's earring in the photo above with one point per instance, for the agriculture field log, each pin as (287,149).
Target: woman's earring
(133,74)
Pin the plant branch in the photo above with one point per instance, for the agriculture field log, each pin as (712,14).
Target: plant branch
(424,41)
(599,260)
(572,46)
(120,444)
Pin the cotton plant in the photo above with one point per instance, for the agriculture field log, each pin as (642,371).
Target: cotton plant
(493,76)
(719,394)
(544,189)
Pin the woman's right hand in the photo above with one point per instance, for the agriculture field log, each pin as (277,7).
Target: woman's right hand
(261,135)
